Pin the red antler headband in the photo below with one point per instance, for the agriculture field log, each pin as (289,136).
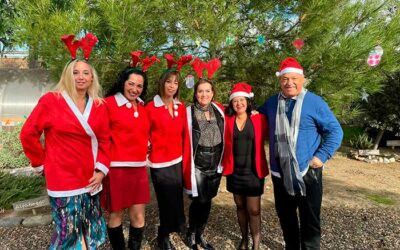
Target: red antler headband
(146,62)
(179,64)
(212,66)
(86,43)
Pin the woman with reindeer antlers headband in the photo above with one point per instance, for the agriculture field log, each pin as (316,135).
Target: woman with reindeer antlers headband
(167,117)
(126,186)
(244,161)
(75,155)
(202,168)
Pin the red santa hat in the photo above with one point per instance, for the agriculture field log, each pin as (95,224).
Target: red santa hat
(290,65)
(241,89)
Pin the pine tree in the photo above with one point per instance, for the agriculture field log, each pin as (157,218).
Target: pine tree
(338,35)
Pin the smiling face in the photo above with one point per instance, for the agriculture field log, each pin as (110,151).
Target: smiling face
(239,104)
(170,86)
(291,84)
(204,94)
(133,87)
(83,76)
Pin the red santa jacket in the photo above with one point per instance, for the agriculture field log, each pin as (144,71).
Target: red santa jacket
(190,183)
(75,144)
(260,128)
(129,134)
(166,133)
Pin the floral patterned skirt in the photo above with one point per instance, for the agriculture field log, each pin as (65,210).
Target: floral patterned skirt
(75,217)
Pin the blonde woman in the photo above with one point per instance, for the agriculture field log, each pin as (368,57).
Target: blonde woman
(75,156)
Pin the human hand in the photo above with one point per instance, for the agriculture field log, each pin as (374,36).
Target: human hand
(254,112)
(315,163)
(95,181)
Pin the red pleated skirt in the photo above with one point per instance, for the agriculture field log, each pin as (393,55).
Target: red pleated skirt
(124,187)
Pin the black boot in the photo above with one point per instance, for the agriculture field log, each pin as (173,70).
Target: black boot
(135,238)
(163,240)
(116,237)
(190,240)
(201,241)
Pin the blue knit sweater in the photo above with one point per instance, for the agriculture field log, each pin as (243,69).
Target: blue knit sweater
(320,133)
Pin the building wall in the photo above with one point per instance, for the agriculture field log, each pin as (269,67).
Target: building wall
(20,90)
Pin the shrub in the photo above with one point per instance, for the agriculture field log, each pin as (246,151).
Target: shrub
(361,141)
(19,188)
(11,153)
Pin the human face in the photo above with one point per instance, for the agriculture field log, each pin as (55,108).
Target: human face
(291,84)
(83,76)
(239,105)
(204,94)
(171,86)
(133,87)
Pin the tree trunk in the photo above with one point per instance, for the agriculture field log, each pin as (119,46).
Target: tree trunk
(378,138)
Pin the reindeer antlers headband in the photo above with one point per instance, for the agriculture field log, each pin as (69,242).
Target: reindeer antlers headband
(146,62)
(86,43)
(212,66)
(179,64)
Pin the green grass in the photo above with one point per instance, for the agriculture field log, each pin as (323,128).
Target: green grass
(19,188)
(381,199)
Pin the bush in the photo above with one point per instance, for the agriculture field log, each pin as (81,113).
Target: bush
(11,154)
(19,188)
(361,141)
(350,132)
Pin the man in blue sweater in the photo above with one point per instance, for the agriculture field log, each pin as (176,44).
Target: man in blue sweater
(303,135)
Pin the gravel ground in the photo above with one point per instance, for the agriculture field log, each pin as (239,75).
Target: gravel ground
(349,219)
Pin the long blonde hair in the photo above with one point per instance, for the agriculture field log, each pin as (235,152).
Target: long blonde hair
(67,83)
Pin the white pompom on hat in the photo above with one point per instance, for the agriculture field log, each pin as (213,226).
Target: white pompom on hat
(290,65)
(241,89)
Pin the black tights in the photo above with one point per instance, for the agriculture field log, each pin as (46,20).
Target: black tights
(249,213)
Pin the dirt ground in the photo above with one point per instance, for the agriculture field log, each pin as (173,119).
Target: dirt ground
(351,219)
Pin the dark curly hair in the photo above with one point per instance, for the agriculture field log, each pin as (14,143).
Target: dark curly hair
(123,76)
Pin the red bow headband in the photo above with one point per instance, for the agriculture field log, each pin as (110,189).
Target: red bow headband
(86,43)
(146,62)
(212,66)
(179,64)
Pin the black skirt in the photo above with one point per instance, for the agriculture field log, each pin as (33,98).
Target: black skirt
(244,180)
(168,187)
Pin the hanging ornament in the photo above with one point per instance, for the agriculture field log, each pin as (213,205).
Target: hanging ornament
(230,39)
(136,114)
(375,56)
(261,39)
(364,95)
(25,116)
(298,43)
(189,81)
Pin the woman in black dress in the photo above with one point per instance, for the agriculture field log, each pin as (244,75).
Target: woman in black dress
(244,161)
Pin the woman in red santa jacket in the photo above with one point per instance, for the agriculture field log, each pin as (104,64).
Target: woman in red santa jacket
(244,161)
(126,186)
(202,164)
(168,128)
(75,155)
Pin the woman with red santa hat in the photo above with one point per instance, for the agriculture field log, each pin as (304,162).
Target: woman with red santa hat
(168,128)
(75,156)
(202,164)
(127,183)
(244,161)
